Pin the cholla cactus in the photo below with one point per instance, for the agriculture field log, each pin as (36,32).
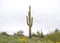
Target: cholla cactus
(29,21)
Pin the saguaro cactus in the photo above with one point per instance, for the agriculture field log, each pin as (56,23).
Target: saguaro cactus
(29,21)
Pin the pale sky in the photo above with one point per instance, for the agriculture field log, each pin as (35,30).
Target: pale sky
(45,13)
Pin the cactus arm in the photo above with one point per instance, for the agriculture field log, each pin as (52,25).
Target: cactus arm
(27,20)
(31,21)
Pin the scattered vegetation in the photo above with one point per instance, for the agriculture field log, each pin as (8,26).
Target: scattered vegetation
(52,37)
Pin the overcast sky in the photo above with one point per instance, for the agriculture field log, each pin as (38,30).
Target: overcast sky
(45,13)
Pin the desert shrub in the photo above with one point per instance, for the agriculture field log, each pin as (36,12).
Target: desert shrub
(4,33)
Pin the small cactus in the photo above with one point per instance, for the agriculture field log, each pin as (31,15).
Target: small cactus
(29,21)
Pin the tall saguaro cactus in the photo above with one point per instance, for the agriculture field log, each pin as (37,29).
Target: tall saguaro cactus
(29,21)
